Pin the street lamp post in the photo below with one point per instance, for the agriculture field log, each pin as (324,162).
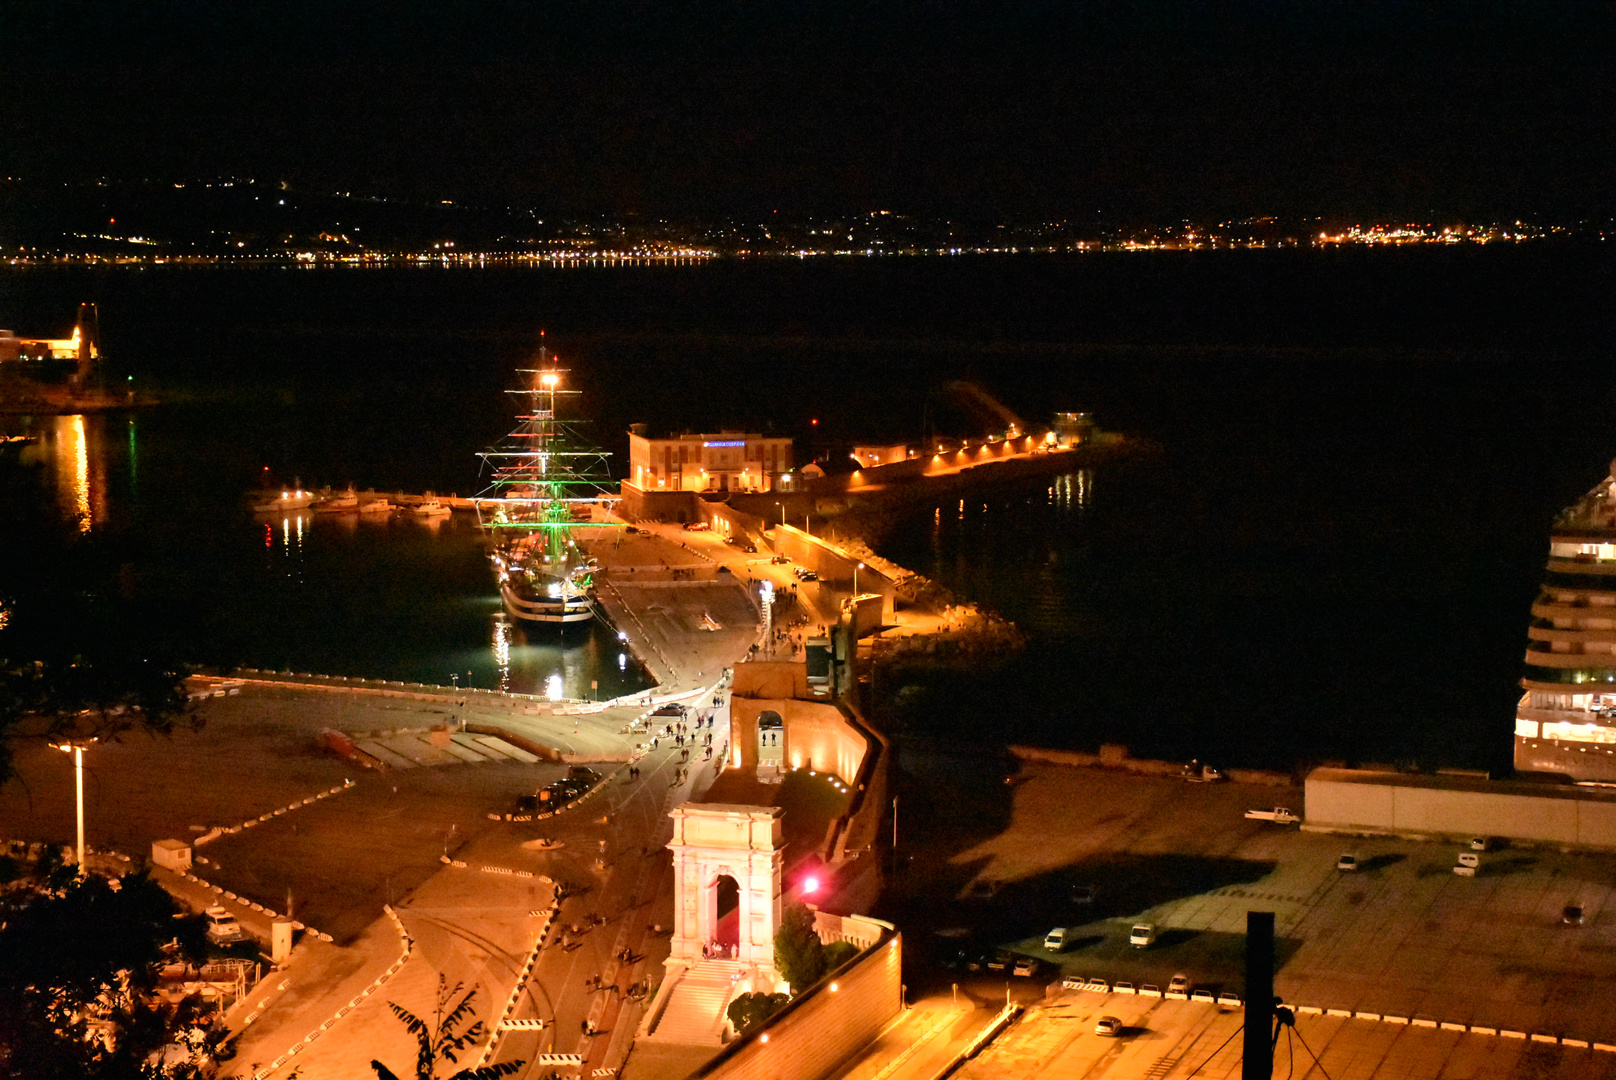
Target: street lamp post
(856,568)
(77,750)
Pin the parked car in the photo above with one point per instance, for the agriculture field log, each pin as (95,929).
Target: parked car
(1179,984)
(1143,935)
(982,889)
(697,526)
(1055,940)
(1082,894)
(749,547)
(1347,863)
(1026,967)
(779,560)
(1571,915)
(1279,815)
(1001,960)
(1109,1026)
(733,541)
(630,530)
(1480,843)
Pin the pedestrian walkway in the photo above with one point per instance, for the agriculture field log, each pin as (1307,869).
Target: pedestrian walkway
(920,1043)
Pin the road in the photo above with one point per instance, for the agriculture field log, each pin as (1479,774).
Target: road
(613,870)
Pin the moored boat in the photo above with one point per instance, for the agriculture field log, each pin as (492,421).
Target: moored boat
(342,503)
(270,502)
(542,477)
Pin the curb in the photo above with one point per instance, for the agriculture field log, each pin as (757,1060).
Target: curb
(223,893)
(503,1022)
(228,830)
(1406,1021)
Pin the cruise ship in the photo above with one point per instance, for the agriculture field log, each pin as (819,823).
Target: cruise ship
(1566,721)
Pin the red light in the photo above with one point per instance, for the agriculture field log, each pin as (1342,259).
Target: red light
(815,423)
(810,886)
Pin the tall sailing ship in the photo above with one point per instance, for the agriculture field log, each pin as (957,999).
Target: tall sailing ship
(543,479)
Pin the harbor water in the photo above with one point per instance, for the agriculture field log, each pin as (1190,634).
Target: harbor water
(1331,557)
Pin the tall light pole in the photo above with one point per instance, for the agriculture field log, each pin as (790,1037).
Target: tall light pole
(856,568)
(76,748)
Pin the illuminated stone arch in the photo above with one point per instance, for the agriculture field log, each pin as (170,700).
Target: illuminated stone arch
(712,841)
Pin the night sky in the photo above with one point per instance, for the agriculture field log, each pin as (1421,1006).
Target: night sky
(1070,110)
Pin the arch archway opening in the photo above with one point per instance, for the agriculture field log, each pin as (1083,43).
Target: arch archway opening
(725,897)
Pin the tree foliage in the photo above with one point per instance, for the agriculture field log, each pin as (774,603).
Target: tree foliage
(748,1012)
(77,956)
(799,956)
(442,1039)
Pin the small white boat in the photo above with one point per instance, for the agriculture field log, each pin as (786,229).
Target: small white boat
(345,503)
(430,508)
(289,499)
(376,506)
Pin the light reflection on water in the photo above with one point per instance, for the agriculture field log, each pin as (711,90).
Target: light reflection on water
(309,548)
(70,442)
(402,597)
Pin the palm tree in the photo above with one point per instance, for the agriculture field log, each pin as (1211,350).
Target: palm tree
(438,1041)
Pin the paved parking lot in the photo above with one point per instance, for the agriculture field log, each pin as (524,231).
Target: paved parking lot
(1401,936)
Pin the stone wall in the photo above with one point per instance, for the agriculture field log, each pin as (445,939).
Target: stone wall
(815,1035)
(819,735)
(1402,804)
(833,565)
(1112,756)
(640,505)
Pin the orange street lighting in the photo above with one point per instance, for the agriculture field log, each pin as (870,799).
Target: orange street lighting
(76,748)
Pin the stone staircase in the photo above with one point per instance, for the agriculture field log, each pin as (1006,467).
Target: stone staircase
(694,1015)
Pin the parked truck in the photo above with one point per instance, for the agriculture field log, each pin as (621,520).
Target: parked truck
(1279,815)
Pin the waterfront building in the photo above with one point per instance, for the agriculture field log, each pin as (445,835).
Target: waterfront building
(1072,428)
(726,461)
(868,456)
(1566,720)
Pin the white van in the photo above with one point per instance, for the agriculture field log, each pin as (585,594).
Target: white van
(223,927)
(1143,935)
(1055,940)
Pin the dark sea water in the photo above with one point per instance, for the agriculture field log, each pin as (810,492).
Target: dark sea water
(1332,556)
